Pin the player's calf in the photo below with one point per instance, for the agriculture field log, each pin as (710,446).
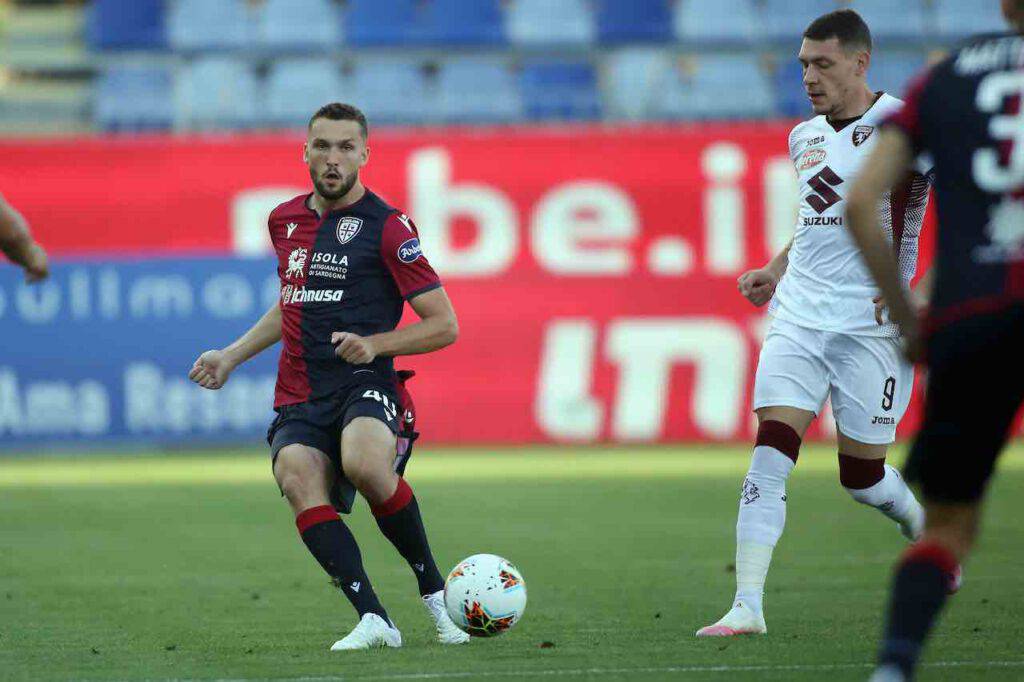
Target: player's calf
(874,483)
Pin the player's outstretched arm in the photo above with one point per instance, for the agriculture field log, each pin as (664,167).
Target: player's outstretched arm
(437,328)
(212,368)
(17,244)
(758,286)
(887,164)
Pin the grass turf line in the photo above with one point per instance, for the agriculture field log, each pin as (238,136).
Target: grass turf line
(188,567)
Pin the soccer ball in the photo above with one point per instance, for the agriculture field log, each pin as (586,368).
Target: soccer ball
(485,595)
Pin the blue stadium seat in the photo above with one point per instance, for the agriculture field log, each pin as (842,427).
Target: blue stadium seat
(788,83)
(717,87)
(299,25)
(391,91)
(893,21)
(632,77)
(462,22)
(133,98)
(295,88)
(733,22)
(785,20)
(633,21)
(216,92)
(892,72)
(125,24)
(560,90)
(382,22)
(209,24)
(478,90)
(542,22)
(961,18)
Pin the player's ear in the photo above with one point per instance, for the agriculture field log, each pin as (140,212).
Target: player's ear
(305,152)
(863,62)
(365,156)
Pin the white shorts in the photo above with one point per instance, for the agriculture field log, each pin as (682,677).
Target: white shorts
(869,381)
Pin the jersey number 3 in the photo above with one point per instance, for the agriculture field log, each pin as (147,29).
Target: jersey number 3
(824,195)
(1000,171)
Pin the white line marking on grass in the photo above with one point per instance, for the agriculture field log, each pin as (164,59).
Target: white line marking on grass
(606,671)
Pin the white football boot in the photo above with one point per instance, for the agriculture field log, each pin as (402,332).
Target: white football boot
(741,620)
(447,631)
(372,632)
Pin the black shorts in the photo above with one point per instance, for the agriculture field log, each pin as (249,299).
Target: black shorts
(318,423)
(975,388)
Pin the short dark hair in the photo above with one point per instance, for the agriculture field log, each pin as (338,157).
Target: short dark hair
(845,25)
(336,111)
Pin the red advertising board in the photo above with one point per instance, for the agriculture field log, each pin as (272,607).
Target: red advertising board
(593,270)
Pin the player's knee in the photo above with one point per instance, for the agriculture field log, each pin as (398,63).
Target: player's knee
(860,476)
(371,473)
(298,476)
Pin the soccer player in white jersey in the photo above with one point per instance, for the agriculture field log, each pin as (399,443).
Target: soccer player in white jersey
(828,337)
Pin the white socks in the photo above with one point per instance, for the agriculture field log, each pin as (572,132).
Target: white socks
(761,519)
(892,497)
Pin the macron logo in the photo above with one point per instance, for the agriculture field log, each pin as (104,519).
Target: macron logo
(355,586)
(290,227)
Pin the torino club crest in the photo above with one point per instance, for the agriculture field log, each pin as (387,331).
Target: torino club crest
(348,228)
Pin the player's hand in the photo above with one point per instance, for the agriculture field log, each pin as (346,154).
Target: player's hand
(211,369)
(757,286)
(916,300)
(353,349)
(37,265)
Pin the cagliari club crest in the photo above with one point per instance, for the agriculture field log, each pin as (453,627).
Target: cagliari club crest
(348,228)
(861,134)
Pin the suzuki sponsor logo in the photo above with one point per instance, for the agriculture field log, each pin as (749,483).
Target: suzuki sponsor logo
(813,141)
(292,294)
(410,250)
(827,221)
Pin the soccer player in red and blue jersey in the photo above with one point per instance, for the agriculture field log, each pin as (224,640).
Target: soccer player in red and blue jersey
(348,263)
(967,113)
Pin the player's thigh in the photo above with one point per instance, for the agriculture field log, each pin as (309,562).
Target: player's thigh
(791,373)
(304,474)
(793,417)
(975,388)
(304,452)
(871,385)
(369,433)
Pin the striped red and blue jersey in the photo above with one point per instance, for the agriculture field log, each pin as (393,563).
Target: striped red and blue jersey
(350,270)
(966,113)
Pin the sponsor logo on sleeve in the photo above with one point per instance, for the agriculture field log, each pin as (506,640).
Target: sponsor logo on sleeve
(404,219)
(290,227)
(410,250)
(861,134)
(348,228)
(812,158)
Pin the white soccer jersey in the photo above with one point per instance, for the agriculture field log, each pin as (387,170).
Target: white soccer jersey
(826,285)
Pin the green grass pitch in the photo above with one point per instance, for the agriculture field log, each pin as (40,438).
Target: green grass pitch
(188,567)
